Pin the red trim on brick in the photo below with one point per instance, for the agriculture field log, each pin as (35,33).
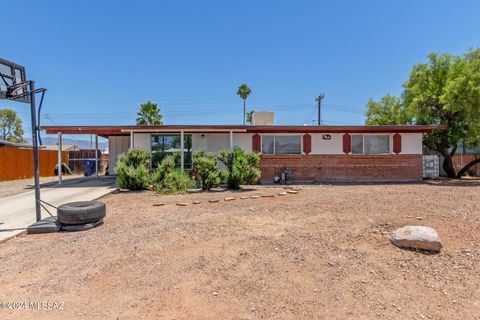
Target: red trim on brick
(256,143)
(347,143)
(397,143)
(307,143)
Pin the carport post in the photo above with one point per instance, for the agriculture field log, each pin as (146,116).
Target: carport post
(59,169)
(96,155)
(182,156)
(231,139)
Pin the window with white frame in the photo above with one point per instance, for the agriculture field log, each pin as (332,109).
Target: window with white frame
(370,144)
(281,144)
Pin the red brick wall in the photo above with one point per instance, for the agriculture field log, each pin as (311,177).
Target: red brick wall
(398,167)
(459,161)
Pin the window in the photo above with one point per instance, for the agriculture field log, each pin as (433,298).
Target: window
(163,145)
(288,144)
(370,144)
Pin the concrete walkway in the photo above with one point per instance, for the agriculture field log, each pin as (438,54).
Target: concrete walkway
(17,212)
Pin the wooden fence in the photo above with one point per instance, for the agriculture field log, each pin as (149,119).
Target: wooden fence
(17,163)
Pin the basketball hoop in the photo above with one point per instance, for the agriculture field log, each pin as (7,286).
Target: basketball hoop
(14,86)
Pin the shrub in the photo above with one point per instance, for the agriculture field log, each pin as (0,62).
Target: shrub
(168,179)
(206,170)
(242,168)
(132,169)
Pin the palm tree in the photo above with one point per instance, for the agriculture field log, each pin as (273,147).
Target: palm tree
(250,116)
(244,91)
(149,114)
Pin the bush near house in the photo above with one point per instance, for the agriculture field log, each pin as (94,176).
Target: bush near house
(242,168)
(133,169)
(167,178)
(206,169)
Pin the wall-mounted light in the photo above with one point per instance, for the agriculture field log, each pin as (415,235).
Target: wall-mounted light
(326,137)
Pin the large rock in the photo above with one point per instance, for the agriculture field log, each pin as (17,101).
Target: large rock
(417,237)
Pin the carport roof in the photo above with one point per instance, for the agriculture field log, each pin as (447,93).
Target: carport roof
(105,131)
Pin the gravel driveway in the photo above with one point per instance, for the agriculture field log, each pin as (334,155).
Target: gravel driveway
(323,253)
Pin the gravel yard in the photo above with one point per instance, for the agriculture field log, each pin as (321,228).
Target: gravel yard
(323,253)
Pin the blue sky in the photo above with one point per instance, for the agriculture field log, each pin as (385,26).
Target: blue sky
(101,59)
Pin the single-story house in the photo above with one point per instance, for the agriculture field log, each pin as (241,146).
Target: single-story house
(348,153)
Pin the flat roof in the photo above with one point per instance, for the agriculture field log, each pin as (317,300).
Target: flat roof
(126,129)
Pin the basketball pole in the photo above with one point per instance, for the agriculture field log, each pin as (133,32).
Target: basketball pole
(38,212)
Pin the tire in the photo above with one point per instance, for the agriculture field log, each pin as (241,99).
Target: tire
(81,212)
(81,227)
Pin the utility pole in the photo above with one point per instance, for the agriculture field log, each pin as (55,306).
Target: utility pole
(319,100)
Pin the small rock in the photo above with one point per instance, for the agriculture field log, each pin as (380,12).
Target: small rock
(419,218)
(158,204)
(229,198)
(292,191)
(331,264)
(417,237)
(213,200)
(215,293)
(182,204)
(254,197)
(282,193)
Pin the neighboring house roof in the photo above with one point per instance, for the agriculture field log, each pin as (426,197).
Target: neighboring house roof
(125,130)
(65,147)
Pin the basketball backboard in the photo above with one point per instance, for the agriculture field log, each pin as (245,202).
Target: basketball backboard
(13,82)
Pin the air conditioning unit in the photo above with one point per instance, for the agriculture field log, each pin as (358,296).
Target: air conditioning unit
(262,118)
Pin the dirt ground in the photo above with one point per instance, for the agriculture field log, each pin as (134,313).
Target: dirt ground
(323,253)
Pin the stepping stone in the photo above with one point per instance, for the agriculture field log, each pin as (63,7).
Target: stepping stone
(229,198)
(158,204)
(254,197)
(417,237)
(244,197)
(282,193)
(268,196)
(196,202)
(212,201)
(182,204)
(292,191)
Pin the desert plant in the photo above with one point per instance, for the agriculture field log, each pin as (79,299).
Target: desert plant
(167,179)
(132,169)
(206,169)
(242,168)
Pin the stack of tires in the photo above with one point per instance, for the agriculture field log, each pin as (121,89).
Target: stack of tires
(81,215)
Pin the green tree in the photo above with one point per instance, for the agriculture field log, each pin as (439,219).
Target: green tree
(250,116)
(11,127)
(445,90)
(389,110)
(149,114)
(244,91)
